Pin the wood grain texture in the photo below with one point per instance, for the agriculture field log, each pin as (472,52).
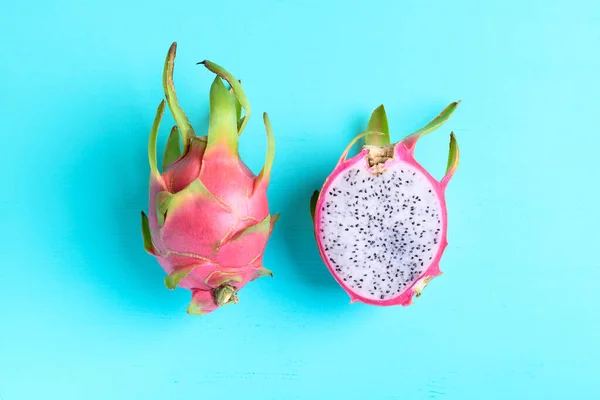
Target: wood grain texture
(84,312)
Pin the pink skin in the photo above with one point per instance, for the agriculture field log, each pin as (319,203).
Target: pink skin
(403,153)
(185,169)
(230,180)
(199,231)
(214,223)
(204,301)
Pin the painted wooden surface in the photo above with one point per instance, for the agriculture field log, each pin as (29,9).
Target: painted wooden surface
(83,310)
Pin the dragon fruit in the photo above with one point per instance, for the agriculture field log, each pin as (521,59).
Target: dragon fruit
(380,218)
(208,218)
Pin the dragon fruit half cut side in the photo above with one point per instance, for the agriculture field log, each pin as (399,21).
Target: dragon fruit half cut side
(380,218)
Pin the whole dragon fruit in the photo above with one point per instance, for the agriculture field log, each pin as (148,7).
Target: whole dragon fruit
(380,219)
(208,218)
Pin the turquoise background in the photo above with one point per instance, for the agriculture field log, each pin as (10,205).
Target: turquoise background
(83,309)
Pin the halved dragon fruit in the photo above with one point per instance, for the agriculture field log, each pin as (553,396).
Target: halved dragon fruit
(380,219)
(208,221)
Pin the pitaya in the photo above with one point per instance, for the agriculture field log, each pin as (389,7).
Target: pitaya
(208,218)
(380,218)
